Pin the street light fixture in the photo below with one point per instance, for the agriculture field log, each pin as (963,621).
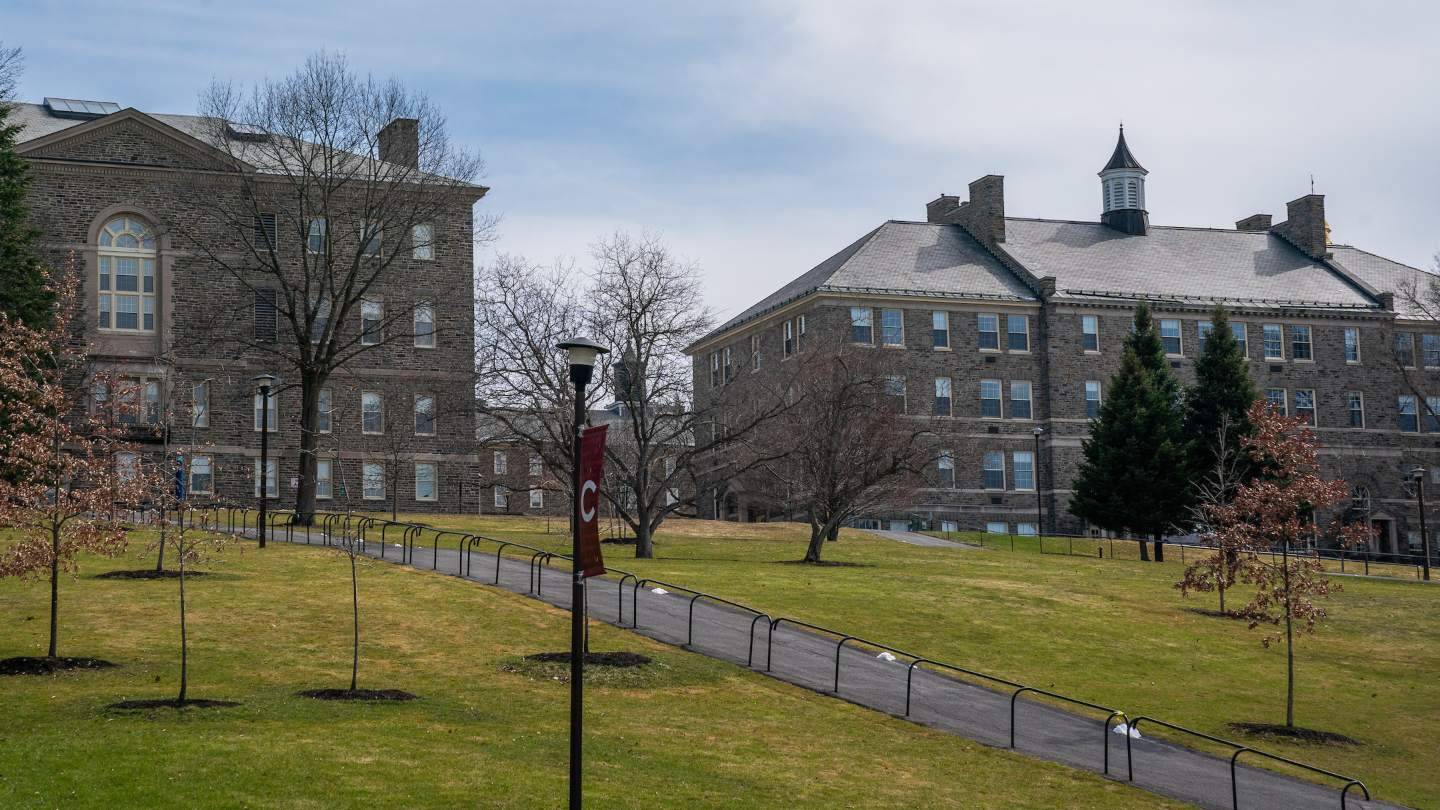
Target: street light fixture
(265,381)
(1039,499)
(582,353)
(1419,475)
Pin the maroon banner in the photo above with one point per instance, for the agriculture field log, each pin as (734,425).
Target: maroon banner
(592,471)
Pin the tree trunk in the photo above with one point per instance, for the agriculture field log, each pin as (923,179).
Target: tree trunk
(1144,551)
(818,532)
(833,533)
(1289,644)
(184,647)
(310,385)
(1159,547)
(54,588)
(644,540)
(160,554)
(355,603)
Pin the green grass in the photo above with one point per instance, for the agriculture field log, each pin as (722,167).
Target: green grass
(1115,632)
(700,733)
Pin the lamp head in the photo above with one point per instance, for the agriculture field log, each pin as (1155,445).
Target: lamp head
(265,380)
(582,352)
(1039,431)
(1418,473)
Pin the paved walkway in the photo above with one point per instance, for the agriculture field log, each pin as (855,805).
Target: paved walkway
(799,656)
(918,539)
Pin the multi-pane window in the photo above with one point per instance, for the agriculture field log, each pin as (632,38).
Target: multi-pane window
(369,239)
(502,497)
(372,412)
(799,332)
(126,284)
(892,327)
(1409,420)
(425,486)
(372,315)
(537,467)
(265,231)
(315,241)
(1355,405)
(325,410)
(990,399)
(138,402)
(501,463)
(127,466)
(324,479)
(862,325)
(988,328)
(1300,343)
(1024,464)
(940,329)
(788,333)
(425,325)
(1241,337)
(754,352)
(1202,334)
(942,396)
(372,481)
(1430,350)
(714,369)
(537,499)
(1017,332)
(1352,344)
(728,361)
(321,321)
(945,466)
(270,420)
(895,388)
(1170,336)
(1405,349)
(1275,398)
(266,316)
(1020,399)
(272,478)
(1026,529)
(992,470)
(1274,341)
(422,241)
(997,527)
(1090,333)
(200,404)
(1305,405)
(1092,399)
(1432,414)
(202,475)
(424,415)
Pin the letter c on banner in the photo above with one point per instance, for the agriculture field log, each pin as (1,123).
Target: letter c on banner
(587,514)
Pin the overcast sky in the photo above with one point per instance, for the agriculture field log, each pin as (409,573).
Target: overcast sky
(758,138)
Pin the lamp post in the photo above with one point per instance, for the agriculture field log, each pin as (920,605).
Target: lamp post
(265,381)
(582,354)
(1419,475)
(1039,499)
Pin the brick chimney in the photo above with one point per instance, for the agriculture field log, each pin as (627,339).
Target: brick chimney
(400,142)
(1304,226)
(1254,222)
(983,216)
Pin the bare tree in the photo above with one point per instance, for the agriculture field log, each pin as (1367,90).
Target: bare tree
(12,65)
(1212,493)
(333,181)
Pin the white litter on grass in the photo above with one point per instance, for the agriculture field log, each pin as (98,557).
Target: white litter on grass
(660,591)
(885,656)
(1122,728)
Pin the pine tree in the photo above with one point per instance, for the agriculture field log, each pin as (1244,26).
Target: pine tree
(22,285)
(1134,473)
(1223,393)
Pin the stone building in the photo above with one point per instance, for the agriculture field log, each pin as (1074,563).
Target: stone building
(1010,328)
(117,188)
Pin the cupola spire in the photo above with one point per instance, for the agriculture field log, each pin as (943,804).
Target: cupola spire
(1122,189)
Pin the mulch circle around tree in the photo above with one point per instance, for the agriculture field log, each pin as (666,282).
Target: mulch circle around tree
(172,703)
(619,660)
(1294,733)
(1215,614)
(45,665)
(619,541)
(362,695)
(148,573)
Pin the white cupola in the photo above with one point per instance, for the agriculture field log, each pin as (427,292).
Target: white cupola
(1122,189)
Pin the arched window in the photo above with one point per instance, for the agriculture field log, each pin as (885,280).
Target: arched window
(126,301)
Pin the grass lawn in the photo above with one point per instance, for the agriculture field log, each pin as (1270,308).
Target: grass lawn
(1114,632)
(263,625)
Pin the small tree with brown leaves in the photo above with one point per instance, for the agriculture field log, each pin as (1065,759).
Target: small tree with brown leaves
(1258,527)
(59,477)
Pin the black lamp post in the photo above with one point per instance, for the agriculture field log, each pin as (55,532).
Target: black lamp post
(265,381)
(1039,499)
(1419,475)
(582,354)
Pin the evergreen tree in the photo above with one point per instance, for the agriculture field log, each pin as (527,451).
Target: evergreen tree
(1223,393)
(1135,468)
(22,286)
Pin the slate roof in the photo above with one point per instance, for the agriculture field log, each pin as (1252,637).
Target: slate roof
(1384,274)
(1121,158)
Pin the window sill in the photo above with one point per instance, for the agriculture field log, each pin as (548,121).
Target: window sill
(417,345)
(1303,361)
(1090,351)
(989,351)
(941,348)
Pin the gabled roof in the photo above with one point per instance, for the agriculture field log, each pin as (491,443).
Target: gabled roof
(43,130)
(1121,158)
(1391,276)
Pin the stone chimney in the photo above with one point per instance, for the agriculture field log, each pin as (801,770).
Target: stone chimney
(939,208)
(1254,222)
(1304,226)
(400,142)
(1387,301)
(983,216)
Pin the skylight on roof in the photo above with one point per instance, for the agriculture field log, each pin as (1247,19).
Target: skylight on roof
(79,108)
(246,132)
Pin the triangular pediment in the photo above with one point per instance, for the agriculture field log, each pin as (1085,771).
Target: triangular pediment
(129,138)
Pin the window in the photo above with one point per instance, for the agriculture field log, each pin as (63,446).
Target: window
(1275,398)
(501,463)
(997,527)
(200,404)
(988,327)
(265,232)
(1025,529)
(1430,350)
(324,479)
(895,387)
(729,367)
(788,330)
(1355,404)
(892,327)
(369,239)
(1405,404)
(1090,333)
(424,415)
(992,472)
(315,241)
(1202,334)
(1017,329)
(127,466)
(372,313)
(990,399)
(372,412)
(270,420)
(942,396)
(422,242)
(537,499)
(425,488)
(1241,337)
(372,483)
(1024,461)
(139,402)
(1019,399)
(945,466)
(126,288)
(321,321)
(799,332)
(940,330)
(754,352)
(325,407)
(1274,341)
(424,325)
(202,475)
(1352,344)
(861,327)
(1305,405)
(272,478)
(1170,336)
(502,497)
(266,316)
(1432,414)
(537,467)
(1092,399)
(714,369)
(1405,349)
(1300,343)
